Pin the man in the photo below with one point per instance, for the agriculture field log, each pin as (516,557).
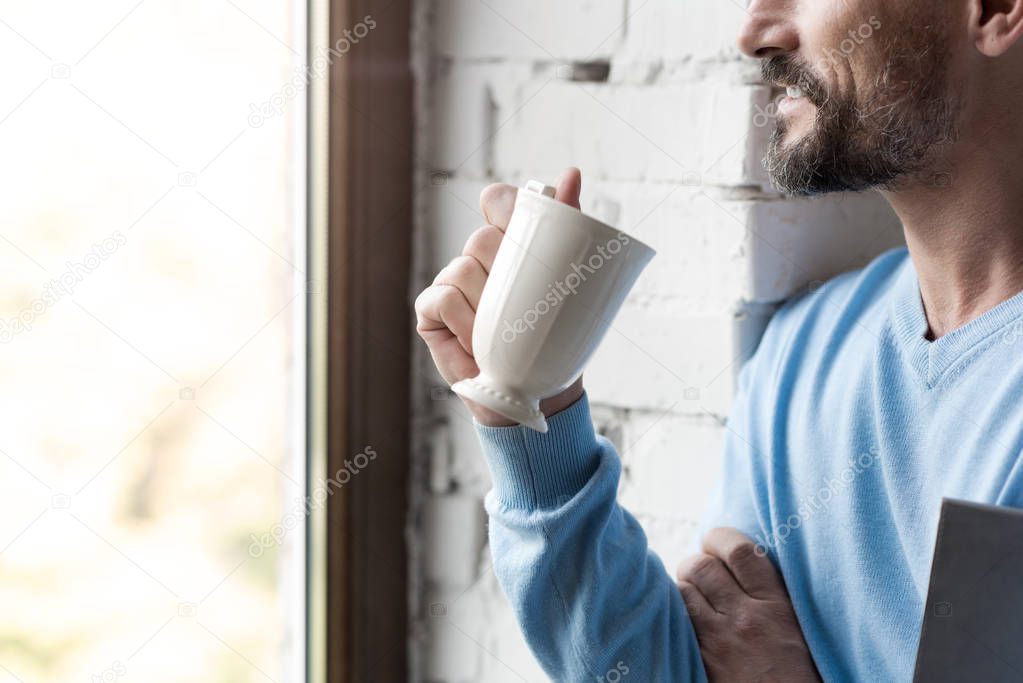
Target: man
(867,401)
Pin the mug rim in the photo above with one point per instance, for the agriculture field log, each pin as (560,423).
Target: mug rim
(597,224)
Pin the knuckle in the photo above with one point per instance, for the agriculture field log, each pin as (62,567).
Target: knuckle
(703,565)
(692,605)
(422,299)
(459,272)
(448,295)
(695,567)
(462,268)
(484,241)
(742,554)
(747,624)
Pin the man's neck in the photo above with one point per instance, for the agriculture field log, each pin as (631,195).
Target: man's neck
(964,230)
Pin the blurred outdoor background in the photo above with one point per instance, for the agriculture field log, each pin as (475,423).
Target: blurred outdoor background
(150,358)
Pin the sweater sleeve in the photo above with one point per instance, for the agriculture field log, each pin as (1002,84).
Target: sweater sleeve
(594,603)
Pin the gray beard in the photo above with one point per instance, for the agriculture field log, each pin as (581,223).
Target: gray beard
(882,143)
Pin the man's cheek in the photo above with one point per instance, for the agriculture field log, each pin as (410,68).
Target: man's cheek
(843,40)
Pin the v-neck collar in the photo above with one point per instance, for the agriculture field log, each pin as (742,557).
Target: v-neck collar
(933,359)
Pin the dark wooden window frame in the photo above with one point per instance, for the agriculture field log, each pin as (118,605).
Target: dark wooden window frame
(368,342)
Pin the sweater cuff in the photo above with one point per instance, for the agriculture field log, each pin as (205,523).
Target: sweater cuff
(531,470)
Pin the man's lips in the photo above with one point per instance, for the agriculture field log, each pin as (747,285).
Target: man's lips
(790,106)
(793,95)
(791,100)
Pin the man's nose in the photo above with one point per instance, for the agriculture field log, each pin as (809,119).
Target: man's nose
(769,29)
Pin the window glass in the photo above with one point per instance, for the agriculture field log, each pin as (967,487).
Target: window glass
(151,353)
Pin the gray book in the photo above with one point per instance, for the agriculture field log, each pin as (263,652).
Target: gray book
(973,620)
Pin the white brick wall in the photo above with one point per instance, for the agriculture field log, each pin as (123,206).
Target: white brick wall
(670,147)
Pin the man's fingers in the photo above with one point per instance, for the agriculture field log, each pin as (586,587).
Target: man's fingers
(570,186)
(753,571)
(709,575)
(483,244)
(497,203)
(443,307)
(466,274)
(700,611)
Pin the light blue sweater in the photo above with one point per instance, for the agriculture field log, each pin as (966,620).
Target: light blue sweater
(848,429)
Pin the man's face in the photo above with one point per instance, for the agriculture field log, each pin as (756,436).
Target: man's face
(868,94)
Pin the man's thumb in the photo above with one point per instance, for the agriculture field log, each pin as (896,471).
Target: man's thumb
(570,186)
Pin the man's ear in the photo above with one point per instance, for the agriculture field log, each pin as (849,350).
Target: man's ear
(995,25)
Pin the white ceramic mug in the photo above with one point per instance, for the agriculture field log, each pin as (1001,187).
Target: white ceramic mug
(557,282)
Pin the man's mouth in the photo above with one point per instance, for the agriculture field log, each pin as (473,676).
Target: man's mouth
(795,103)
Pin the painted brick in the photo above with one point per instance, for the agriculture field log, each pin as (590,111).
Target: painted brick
(452,214)
(468,468)
(672,31)
(459,133)
(568,30)
(454,527)
(664,361)
(489,635)
(800,241)
(671,463)
(701,266)
(452,655)
(692,133)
